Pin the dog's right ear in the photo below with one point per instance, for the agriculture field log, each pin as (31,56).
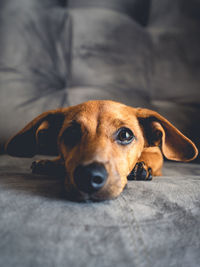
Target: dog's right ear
(160,132)
(37,137)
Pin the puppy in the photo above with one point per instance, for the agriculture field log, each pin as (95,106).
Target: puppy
(99,144)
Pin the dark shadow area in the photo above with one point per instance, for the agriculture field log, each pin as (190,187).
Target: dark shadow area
(52,188)
(191,8)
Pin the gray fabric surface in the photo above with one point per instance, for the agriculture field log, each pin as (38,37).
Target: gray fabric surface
(141,52)
(151,224)
(111,56)
(33,63)
(67,56)
(174,29)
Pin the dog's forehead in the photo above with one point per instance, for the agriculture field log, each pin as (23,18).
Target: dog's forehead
(102,112)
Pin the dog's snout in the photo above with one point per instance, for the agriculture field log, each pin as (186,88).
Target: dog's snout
(90,178)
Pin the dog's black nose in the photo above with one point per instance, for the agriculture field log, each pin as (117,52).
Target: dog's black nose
(90,178)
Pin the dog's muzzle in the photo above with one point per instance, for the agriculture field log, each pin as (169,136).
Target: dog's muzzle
(90,178)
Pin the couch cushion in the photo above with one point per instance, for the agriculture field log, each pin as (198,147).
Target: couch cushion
(174,28)
(136,9)
(53,58)
(33,65)
(111,55)
(151,224)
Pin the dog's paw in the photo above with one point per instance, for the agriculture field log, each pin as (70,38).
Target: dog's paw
(140,172)
(48,167)
(41,167)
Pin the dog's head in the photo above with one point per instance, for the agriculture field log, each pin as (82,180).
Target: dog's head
(99,143)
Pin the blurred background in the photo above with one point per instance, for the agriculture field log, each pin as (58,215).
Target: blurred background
(56,53)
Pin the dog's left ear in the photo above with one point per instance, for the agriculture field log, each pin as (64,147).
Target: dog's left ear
(160,132)
(37,137)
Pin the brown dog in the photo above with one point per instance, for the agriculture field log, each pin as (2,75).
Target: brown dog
(99,144)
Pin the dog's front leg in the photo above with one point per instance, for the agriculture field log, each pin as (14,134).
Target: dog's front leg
(53,167)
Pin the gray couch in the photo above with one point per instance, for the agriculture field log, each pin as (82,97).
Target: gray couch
(58,53)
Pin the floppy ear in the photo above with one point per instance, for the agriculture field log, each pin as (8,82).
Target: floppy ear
(160,132)
(37,137)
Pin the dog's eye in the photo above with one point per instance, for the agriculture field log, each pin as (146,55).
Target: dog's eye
(72,135)
(124,136)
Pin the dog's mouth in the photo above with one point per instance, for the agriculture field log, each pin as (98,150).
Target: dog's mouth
(78,196)
(75,195)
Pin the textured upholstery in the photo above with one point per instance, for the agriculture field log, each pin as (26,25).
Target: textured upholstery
(54,54)
(151,224)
